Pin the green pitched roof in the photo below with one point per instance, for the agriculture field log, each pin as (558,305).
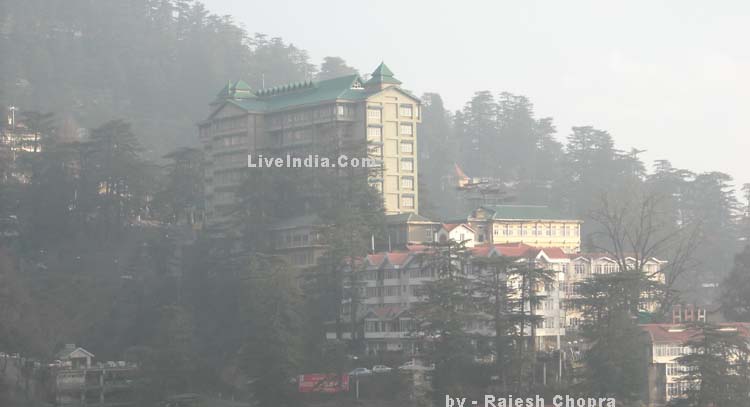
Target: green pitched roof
(235,90)
(382,74)
(349,87)
(524,212)
(304,93)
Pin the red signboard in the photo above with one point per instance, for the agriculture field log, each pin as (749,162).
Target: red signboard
(322,383)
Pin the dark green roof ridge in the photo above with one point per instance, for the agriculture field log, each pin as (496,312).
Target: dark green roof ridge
(525,212)
(382,74)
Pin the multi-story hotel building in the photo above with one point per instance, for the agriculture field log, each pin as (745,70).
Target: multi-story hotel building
(584,266)
(320,118)
(391,283)
(537,226)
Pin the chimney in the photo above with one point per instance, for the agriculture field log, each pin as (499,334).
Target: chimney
(677,314)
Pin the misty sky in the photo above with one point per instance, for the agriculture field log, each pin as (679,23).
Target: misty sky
(670,77)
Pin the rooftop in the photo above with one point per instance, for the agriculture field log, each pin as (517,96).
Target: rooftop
(405,218)
(349,87)
(679,334)
(523,212)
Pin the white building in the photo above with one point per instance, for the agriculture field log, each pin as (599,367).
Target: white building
(459,232)
(391,283)
(667,345)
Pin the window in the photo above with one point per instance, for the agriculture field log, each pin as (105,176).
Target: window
(406,111)
(407,148)
(374,114)
(580,269)
(407,201)
(407,183)
(340,110)
(407,165)
(406,130)
(374,132)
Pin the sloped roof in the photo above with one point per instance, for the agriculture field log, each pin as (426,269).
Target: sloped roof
(384,313)
(679,334)
(68,349)
(393,258)
(554,252)
(376,259)
(349,87)
(450,226)
(514,249)
(382,74)
(398,258)
(524,212)
(482,250)
(404,218)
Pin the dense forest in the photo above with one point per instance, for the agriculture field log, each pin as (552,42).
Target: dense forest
(104,259)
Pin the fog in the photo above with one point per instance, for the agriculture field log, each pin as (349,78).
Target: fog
(663,77)
(374,204)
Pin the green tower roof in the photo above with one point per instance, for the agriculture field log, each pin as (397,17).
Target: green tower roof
(382,74)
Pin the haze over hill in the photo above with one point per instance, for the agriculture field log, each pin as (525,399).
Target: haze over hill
(663,77)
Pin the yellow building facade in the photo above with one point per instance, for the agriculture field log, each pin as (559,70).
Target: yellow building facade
(537,226)
(315,118)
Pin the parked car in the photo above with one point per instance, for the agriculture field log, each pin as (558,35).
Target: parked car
(360,371)
(415,365)
(381,369)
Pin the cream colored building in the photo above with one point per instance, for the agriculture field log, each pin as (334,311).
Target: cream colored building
(584,266)
(314,118)
(537,226)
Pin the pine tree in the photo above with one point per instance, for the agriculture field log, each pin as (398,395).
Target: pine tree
(717,368)
(271,313)
(442,316)
(735,301)
(334,67)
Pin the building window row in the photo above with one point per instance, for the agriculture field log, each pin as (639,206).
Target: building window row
(407,183)
(536,230)
(671,350)
(375,132)
(407,202)
(374,114)
(229,124)
(406,111)
(407,147)
(232,140)
(407,164)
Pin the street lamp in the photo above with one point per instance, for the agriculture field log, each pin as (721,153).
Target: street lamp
(12,122)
